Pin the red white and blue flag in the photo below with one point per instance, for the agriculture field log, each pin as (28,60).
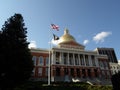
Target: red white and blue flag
(55,27)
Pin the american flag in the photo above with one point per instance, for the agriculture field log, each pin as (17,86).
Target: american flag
(56,27)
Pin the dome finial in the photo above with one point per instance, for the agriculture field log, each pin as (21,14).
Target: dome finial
(66,31)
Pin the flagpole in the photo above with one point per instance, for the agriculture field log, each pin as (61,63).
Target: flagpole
(49,63)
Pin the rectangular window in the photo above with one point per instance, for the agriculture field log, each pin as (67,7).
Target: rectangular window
(47,61)
(72,71)
(103,74)
(46,72)
(33,72)
(40,71)
(41,60)
(34,60)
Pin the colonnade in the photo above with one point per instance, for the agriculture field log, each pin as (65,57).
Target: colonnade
(69,58)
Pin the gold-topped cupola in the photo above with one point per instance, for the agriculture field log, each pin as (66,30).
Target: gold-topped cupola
(66,37)
(68,41)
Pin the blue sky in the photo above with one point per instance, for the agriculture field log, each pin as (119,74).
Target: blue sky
(93,23)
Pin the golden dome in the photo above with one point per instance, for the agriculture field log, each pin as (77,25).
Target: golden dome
(66,37)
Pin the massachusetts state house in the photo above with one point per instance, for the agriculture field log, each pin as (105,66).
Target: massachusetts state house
(70,62)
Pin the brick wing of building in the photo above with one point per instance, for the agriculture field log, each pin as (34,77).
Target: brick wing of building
(70,62)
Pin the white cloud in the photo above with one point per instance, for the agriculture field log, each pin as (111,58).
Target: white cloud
(55,42)
(100,37)
(32,44)
(85,42)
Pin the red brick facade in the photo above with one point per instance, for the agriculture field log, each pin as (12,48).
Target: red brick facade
(69,61)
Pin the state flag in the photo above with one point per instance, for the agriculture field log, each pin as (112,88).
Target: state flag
(55,37)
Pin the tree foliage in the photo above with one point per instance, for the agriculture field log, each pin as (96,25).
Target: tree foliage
(116,81)
(15,58)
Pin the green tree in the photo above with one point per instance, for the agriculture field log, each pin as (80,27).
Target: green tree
(15,58)
(116,81)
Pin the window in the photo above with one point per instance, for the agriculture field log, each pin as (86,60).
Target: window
(83,73)
(33,72)
(108,74)
(40,71)
(106,64)
(95,71)
(78,72)
(57,71)
(101,64)
(72,71)
(66,71)
(46,73)
(40,60)
(34,60)
(103,74)
(47,60)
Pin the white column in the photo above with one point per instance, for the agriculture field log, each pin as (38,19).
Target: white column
(90,61)
(53,57)
(61,58)
(84,60)
(79,59)
(73,59)
(68,59)
(96,61)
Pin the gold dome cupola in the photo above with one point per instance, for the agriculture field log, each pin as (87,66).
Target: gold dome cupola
(68,41)
(66,37)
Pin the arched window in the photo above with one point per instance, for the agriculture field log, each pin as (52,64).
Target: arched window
(34,60)
(41,60)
